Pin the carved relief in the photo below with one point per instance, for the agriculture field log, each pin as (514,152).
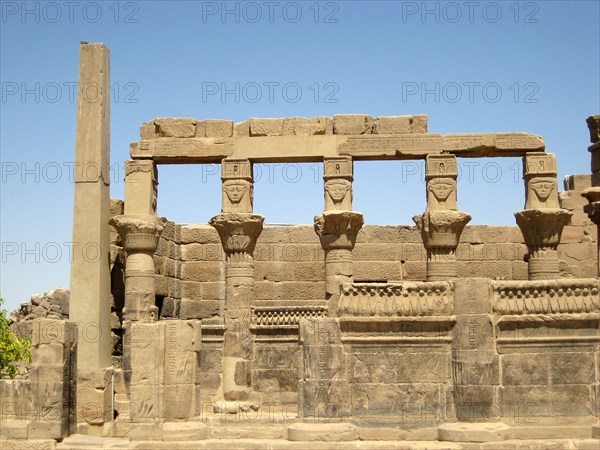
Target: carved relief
(237,186)
(541,190)
(336,194)
(439,192)
(539,193)
(440,174)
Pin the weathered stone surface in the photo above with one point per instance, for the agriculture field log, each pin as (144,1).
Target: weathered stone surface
(266,127)
(333,432)
(353,124)
(474,432)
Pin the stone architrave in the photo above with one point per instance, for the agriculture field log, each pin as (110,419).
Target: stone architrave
(442,224)
(338,226)
(239,230)
(542,220)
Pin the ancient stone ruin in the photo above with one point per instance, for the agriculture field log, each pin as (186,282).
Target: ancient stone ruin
(238,334)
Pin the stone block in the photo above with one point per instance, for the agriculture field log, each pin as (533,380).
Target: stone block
(572,200)
(43,430)
(174,290)
(392,125)
(581,252)
(375,252)
(13,429)
(211,360)
(475,432)
(275,380)
(273,235)
(149,130)
(199,309)
(241,129)
(48,331)
(178,402)
(301,126)
(273,271)
(184,431)
(406,401)
(382,271)
(577,182)
(295,290)
(324,432)
(202,271)
(572,235)
(387,234)
(473,332)
(302,234)
(520,270)
(266,127)
(526,369)
(49,353)
(209,381)
(199,234)
(214,128)
(325,399)
(312,271)
(380,433)
(145,431)
(213,290)
(176,127)
(419,124)
(558,400)
(353,124)
(571,368)
(473,296)
(191,290)
(415,270)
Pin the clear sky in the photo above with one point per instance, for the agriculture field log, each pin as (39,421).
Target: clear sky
(471,66)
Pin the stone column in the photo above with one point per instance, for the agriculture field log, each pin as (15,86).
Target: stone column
(542,220)
(593,194)
(338,226)
(442,224)
(140,236)
(238,229)
(90,267)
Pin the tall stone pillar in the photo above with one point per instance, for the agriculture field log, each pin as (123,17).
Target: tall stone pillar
(238,229)
(90,267)
(542,220)
(442,224)
(338,226)
(593,194)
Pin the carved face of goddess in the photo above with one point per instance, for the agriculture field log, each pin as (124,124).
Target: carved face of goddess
(235,190)
(441,190)
(337,189)
(542,188)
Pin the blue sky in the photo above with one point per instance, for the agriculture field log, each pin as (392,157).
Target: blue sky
(471,66)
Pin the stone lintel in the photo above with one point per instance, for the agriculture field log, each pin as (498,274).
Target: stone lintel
(314,148)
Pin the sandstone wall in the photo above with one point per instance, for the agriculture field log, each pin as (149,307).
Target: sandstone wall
(289,261)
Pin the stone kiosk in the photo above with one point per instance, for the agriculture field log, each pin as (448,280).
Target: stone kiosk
(337,334)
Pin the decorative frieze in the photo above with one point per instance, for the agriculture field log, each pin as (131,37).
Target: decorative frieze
(546,296)
(392,300)
(263,316)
